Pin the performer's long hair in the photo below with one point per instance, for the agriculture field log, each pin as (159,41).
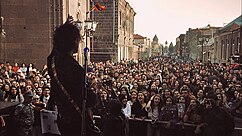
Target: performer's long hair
(65,37)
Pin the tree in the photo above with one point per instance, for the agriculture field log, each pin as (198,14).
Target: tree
(171,48)
(165,49)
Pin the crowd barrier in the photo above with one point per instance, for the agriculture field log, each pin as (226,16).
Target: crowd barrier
(138,127)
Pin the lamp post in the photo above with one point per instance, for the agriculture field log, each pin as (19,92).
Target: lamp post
(202,42)
(138,52)
(232,44)
(89,29)
(141,52)
(240,41)
(162,50)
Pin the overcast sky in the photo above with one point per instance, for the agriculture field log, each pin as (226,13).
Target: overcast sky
(170,18)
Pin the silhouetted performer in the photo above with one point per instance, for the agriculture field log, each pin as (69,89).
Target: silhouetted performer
(66,76)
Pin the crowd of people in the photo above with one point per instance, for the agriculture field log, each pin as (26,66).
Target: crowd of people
(159,89)
(31,89)
(162,89)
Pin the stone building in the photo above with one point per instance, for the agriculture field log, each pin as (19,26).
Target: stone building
(197,41)
(191,40)
(144,46)
(29,26)
(113,39)
(180,46)
(228,40)
(156,48)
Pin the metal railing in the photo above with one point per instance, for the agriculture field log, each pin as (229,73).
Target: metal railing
(138,126)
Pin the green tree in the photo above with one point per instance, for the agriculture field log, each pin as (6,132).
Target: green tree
(171,48)
(165,49)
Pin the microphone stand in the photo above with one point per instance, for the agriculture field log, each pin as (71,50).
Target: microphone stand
(84,93)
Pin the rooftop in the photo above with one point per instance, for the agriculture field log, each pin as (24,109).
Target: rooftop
(237,22)
(137,36)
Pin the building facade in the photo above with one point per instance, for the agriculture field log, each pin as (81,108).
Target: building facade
(29,27)
(191,40)
(199,40)
(156,48)
(144,46)
(180,46)
(215,44)
(228,40)
(113,39)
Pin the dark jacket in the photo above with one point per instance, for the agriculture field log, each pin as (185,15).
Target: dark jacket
(219,122)
(137,110)
(71,76)
(114,126)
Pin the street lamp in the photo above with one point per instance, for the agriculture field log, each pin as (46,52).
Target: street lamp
(140,46)
(202,41)
(79,24)
(89,28)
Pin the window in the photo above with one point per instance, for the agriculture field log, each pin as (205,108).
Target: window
(120,18)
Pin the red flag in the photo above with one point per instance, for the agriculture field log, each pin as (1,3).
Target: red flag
(95,8)
(98,7)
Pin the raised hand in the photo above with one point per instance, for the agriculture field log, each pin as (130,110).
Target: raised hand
(70,20)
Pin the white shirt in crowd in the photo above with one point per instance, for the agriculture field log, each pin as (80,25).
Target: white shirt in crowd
(127,110)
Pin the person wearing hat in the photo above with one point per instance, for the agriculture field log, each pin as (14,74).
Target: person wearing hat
(24,116)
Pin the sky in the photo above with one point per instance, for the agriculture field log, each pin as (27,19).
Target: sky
(170,18)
